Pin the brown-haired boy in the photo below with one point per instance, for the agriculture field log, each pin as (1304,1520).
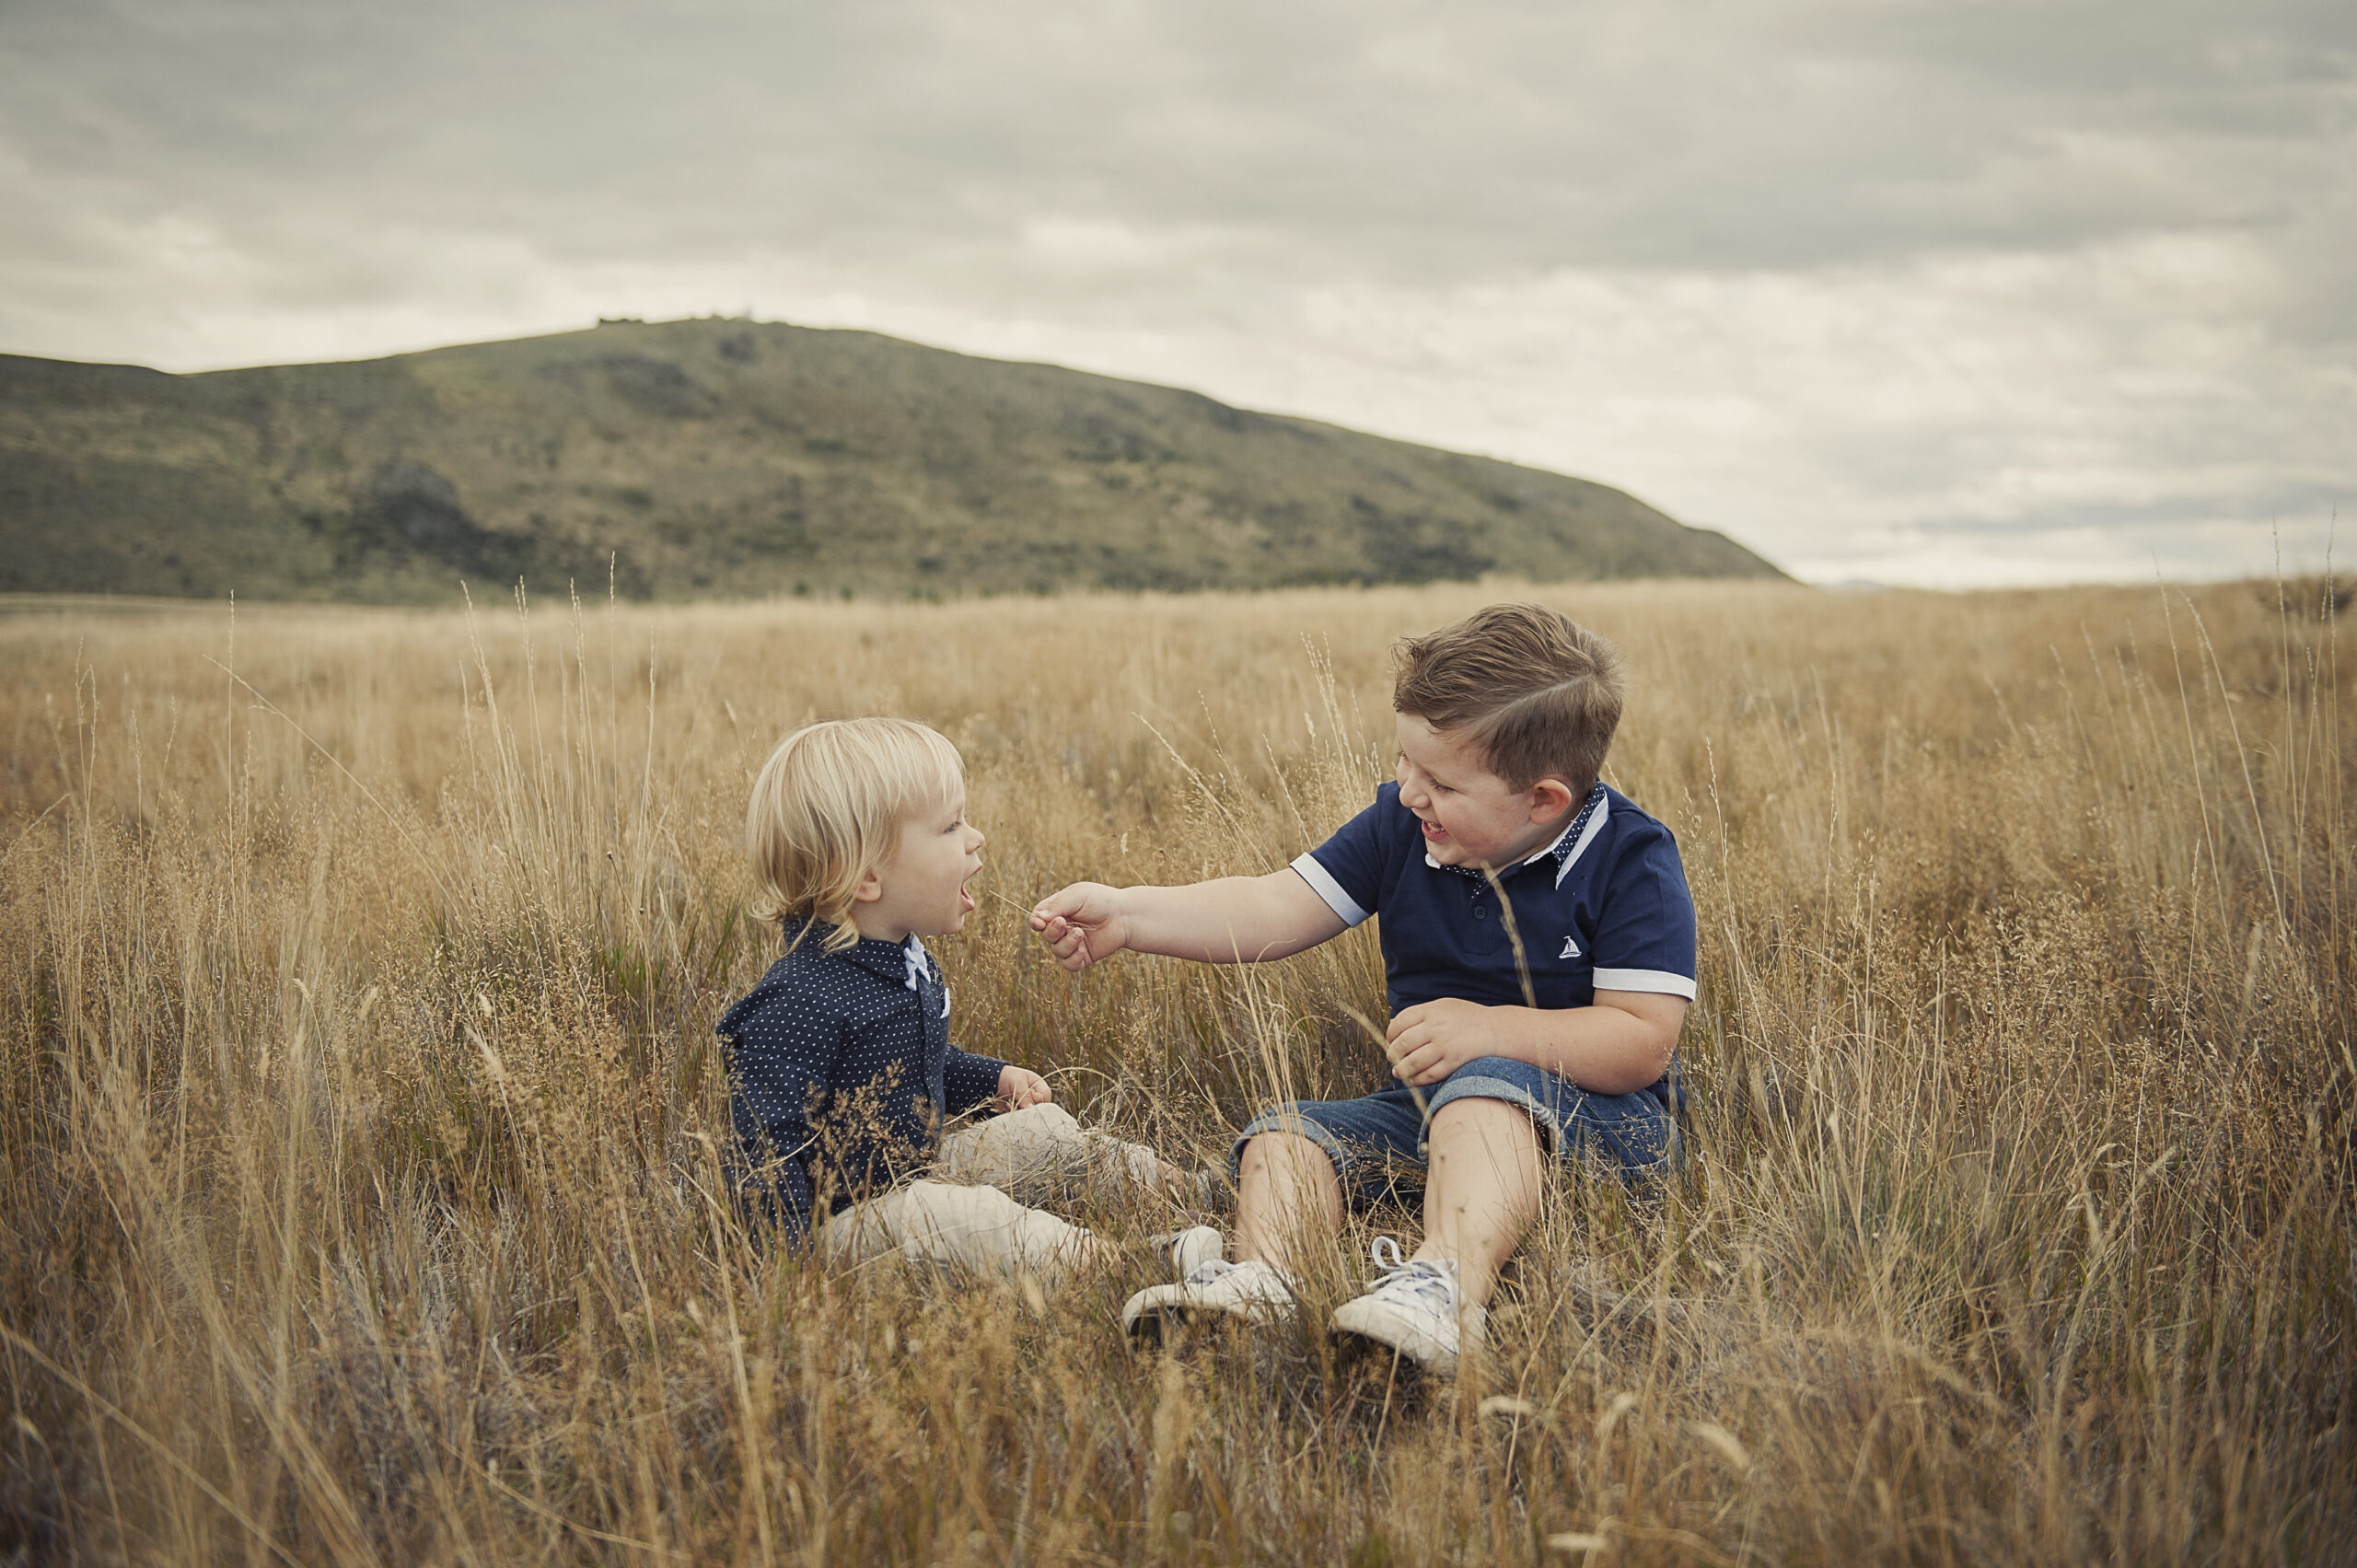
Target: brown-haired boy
(1504,720)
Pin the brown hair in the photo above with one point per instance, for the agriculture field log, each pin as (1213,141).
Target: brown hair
(827,811)
(1537,693)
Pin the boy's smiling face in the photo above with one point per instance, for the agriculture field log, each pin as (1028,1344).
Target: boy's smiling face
(1469,817)
(921,887)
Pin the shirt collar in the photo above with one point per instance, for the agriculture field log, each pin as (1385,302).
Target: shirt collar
(1577,834)
(900,962)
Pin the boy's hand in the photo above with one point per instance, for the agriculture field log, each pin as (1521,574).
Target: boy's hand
(1431,1040)
(1082,923)
(1019,1088)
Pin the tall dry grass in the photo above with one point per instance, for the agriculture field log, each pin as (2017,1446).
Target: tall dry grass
(358,1097)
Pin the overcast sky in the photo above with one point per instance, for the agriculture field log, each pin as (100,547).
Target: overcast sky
(1950,293)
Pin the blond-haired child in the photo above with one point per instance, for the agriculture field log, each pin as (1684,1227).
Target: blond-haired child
(841,1070)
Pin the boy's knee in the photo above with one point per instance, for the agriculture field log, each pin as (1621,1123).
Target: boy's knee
(1510,1116)
(1284,1145)
(1501,1095)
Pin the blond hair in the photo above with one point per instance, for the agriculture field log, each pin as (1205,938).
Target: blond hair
(1538,693)
(827,809)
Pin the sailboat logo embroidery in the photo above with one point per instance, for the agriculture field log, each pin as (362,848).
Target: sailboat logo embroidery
(1571,949)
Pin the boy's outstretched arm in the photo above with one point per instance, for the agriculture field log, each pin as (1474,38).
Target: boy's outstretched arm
(1232,920)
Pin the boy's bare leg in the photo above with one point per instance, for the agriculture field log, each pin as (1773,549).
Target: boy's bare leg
(1286,1194)
(1481,1189)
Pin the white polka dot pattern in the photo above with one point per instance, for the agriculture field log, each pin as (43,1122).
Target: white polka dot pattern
(840,1069)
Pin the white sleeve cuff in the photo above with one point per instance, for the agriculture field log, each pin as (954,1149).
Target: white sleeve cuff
(1321,882)
(1662,981)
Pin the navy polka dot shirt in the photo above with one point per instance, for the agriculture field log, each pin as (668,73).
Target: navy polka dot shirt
(840,1073)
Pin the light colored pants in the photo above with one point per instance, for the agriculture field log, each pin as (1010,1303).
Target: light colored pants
(968,1221)
(1035,1152)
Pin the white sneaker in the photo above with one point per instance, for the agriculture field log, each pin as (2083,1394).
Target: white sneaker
(1416,1309)
(1251,1292)
(1189,1249)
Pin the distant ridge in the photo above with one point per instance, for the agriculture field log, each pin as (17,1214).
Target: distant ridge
(719,458)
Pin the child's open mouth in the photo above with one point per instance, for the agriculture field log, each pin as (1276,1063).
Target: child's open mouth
(966,898)
(1432,830)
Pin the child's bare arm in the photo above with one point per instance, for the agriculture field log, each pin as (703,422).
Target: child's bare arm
(1232,920)
(1617,1046)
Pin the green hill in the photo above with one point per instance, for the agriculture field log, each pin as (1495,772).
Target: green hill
(708,458)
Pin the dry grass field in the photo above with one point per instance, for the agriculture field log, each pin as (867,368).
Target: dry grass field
(358,1097)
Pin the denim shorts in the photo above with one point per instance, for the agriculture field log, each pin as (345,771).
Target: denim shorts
(1378,1138)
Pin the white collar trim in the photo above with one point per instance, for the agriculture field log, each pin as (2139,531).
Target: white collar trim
(1594,826)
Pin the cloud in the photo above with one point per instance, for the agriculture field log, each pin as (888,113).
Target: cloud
(1900,288)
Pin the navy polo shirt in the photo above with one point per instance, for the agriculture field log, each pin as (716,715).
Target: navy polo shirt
(1604,906)
(841,1062)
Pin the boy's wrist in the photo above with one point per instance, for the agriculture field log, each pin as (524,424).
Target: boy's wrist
(1123,904)
(1524,1033)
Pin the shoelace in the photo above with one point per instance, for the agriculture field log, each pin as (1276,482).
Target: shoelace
(1209,1272)
(1433,1285)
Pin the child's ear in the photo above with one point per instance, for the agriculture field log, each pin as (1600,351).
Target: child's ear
(870,889)
(1549,798)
